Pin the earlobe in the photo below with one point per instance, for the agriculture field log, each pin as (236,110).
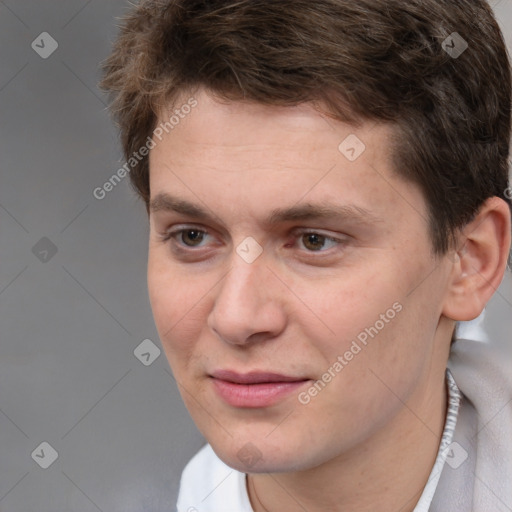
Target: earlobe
(480,262)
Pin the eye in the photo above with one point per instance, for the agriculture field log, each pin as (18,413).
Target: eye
(191,238)
(186,237)
(195,236)
(315,242)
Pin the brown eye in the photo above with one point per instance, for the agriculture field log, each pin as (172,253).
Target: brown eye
(313,241)
(193,235)
(316,242)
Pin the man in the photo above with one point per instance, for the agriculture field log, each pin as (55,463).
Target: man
(327,190)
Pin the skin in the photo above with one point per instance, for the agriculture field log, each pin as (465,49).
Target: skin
(371,435)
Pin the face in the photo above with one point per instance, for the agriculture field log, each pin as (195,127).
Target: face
(291,281)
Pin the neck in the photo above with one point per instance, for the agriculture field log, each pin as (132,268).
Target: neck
(388,472)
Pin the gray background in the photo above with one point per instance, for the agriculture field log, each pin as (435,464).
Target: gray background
(72,320)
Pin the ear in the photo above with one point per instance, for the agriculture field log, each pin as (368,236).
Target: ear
(479,261)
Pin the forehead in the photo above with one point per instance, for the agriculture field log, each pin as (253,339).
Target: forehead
(249,124)
(229,154)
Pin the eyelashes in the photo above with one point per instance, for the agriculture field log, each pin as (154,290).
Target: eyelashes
(312,241)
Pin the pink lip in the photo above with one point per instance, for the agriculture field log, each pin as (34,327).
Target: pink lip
(254,389)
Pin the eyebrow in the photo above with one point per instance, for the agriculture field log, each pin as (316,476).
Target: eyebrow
(302,212)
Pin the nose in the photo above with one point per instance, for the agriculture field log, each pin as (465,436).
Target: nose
(248,306)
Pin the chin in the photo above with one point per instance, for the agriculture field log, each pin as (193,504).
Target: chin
(256,455)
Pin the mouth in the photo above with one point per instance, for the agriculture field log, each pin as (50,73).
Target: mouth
(254,389)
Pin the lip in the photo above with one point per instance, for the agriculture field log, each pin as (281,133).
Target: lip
(254,389)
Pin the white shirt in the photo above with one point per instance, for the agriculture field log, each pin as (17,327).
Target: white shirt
(209,485)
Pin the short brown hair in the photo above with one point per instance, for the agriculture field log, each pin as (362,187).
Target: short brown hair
(382,60)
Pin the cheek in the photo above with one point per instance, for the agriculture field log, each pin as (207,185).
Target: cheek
(341,309)
(176,302)
(372,321)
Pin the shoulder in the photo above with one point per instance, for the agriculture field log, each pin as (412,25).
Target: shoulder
(209,485)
